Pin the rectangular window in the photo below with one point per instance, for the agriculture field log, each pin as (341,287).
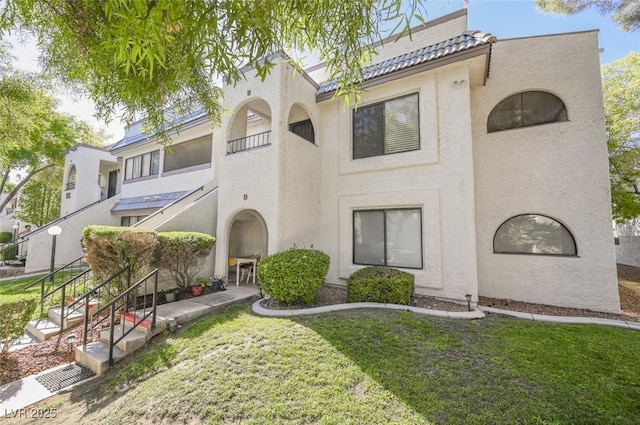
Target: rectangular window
(142,165)
(388,237)
(188,154)
(387,127)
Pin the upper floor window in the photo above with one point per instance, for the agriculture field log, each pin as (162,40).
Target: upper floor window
(71,178)
(188,154)
(147,164)
(386,127)
(533,234)
(526,109)
(303,129)
(388,237)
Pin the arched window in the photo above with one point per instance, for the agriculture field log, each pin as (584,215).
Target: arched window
(533,234)
(71,178)
(526,109)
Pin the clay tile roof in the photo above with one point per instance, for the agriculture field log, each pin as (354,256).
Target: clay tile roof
(467,40)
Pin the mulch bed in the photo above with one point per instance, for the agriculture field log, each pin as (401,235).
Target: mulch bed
(334,294)
(45,355)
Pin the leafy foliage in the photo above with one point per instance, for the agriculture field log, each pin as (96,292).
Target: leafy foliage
(110,249)
(33,135)
(293,276)
(183,254)
(16,313)
(40,197)
(9,253)
(150,56)
(621,89)
(380,285)
(5,237)
(626,13)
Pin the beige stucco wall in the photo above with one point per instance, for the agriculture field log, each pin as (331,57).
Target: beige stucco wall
(559,170)
(438,178)
(68,247)
(175,181)
(628,249)
(87,161)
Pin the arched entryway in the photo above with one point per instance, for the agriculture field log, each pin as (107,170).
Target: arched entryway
(248,237)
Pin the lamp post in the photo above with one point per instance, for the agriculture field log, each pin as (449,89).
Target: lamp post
(53,231)
(15,228)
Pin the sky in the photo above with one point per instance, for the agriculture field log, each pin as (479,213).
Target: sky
(503,18)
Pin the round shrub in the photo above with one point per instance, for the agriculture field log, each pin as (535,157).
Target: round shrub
(293,276)
(6,237)
(380,285)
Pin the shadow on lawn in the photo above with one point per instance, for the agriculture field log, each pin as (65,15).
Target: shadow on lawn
(156,356)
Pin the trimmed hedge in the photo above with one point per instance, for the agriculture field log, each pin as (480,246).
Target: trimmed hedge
(110,248)
(16,313)
(380,285)
(293,276)
(183,254)
(5,237)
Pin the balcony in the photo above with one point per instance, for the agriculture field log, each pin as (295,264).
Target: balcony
(249,142)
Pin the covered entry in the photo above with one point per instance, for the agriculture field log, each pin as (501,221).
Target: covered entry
(248,238)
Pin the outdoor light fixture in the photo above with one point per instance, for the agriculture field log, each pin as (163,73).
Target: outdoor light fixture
(53,231)
(468,297)
(15,228)
(71,340)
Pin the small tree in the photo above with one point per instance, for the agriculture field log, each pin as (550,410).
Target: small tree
(16,313)
(183,254)
(110,249)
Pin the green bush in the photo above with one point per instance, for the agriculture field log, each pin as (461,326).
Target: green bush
(380,285)
(16,313)
(5,237)
(9,253)
(109,249)
(183,254)
(293,276)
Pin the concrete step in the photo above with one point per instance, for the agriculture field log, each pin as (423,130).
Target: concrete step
(95,356)
(72,318)
(43,329)
(131,342)
(145,326)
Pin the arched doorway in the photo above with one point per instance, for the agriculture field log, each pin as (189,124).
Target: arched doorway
(248,237)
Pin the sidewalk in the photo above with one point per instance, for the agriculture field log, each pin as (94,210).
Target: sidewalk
(24,392)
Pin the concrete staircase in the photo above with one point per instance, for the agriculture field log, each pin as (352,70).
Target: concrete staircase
(95,355)
(44,329)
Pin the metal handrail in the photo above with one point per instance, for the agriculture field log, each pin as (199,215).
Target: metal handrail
(162,210)
(122,302)
(249,142)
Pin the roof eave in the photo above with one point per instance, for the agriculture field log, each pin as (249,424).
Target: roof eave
(484,49)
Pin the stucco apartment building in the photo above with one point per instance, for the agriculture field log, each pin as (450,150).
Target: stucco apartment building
(479,165)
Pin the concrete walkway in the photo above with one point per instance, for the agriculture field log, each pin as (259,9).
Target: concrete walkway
(24,392)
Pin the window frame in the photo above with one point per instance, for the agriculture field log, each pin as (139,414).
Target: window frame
(547,254)
(375,104)
(136,167)
(523,117)
(384,231)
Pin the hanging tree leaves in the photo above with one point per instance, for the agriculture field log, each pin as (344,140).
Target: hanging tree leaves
(150,55)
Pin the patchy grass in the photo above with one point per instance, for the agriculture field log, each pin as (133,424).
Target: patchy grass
(371,367)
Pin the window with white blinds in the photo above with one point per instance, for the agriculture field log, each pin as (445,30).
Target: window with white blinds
(387,127)
(388,237)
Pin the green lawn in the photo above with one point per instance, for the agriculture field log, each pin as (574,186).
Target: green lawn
(16,286)
(373,367)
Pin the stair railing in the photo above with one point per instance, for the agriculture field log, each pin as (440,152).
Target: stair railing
(126,304)
(54,281)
